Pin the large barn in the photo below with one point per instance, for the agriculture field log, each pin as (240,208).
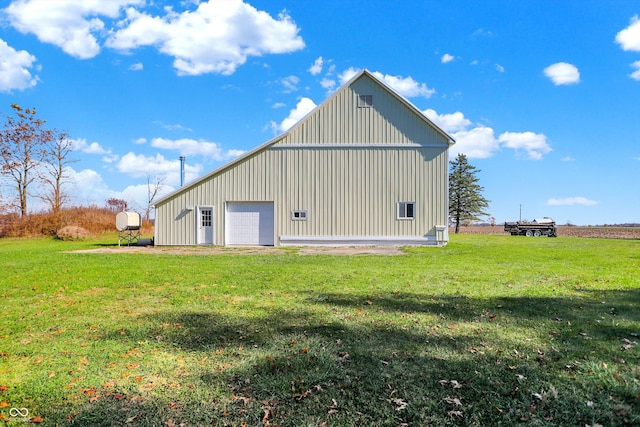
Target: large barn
(365,167)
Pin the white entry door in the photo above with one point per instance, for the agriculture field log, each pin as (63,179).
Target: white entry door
(205,225)
(250,223)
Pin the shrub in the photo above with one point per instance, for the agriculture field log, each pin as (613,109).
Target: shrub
(72,232)
(94,220)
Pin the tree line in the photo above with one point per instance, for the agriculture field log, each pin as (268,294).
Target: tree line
(32,155)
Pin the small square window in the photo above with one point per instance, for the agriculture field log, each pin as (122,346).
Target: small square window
(406,210)
(365,101)
(298,215)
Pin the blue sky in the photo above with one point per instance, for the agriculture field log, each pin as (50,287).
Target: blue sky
(542,96)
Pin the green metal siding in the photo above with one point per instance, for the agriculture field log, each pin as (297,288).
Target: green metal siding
(348,167)
(343,122)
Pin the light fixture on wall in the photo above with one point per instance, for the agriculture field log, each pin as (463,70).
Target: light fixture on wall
(189,208)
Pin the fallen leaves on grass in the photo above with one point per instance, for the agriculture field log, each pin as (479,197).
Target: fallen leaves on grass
(627,344)
(269,408)
(131,419)
(455,384)
(453,401)
(400,404)
(302,395)
(334,407)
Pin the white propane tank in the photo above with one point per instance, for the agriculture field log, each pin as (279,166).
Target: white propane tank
(128,221)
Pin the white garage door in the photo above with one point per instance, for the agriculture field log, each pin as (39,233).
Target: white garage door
(249,223)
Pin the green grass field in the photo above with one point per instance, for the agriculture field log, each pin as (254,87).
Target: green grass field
(489,330)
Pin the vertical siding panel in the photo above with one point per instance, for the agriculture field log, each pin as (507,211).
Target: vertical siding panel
(346,190)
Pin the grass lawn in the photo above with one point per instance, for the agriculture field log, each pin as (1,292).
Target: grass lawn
(489,330)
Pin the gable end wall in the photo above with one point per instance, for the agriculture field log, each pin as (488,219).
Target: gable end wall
(346,166)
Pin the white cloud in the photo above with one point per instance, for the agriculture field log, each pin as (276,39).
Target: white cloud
(406,86)
(304,106)
(477,143)
(138,66)
(217,37)
(87,187)
(81,144)
(278,105)
(562,73)
(14,68)
(137,195)
(448,122)
(636,74)
(629,38)
(499,68)
(172,126)
(69,24)
(447,58)
(570,201)
(328,84)
(290,84)
(535,144)
(480,141)
(192,147)
(481,32)
(348,74)
(316,68)
(567,159)
(139,165)
(110,158)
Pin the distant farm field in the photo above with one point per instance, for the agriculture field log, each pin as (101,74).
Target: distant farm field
(566,231)
(489,330)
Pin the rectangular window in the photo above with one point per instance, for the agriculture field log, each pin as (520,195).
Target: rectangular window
(298,215)
(406,210)
(365,101)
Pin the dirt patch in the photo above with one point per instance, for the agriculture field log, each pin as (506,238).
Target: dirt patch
(251,250)
(563,231)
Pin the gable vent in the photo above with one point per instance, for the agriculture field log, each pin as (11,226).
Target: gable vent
(365,101)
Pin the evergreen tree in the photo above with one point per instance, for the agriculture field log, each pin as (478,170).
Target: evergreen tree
(466,202)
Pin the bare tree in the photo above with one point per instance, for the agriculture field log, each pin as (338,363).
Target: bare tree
(154,185)
(117,205)
(22,143)
(54,171)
